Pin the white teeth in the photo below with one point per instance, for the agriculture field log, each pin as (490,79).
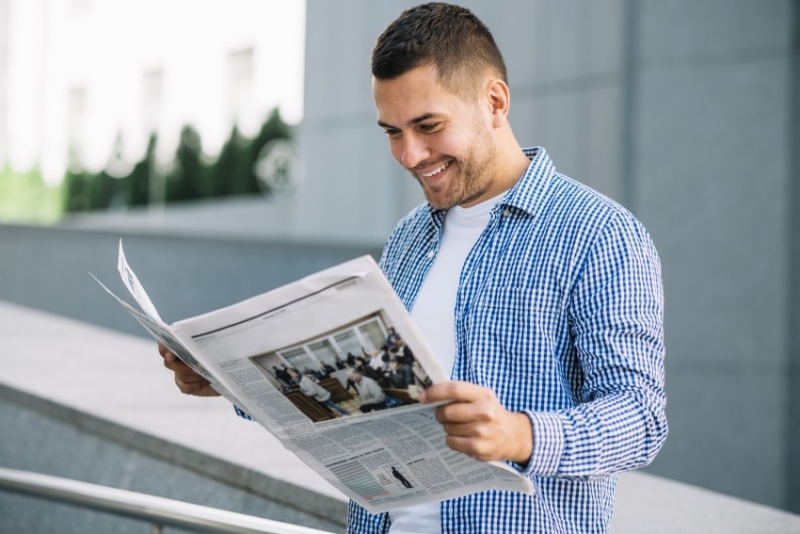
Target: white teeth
(436,171)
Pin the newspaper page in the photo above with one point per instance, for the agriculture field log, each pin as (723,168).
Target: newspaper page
(332,365)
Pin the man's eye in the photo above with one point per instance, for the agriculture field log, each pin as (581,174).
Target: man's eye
(428,127)
(391,132)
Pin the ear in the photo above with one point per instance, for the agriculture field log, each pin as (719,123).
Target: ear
(499,100)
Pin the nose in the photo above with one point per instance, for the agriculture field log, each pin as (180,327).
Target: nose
(414,151)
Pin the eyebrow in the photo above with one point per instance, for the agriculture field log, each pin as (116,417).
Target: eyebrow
(415,120)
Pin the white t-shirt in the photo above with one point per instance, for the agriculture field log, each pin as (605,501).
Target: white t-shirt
(434,313)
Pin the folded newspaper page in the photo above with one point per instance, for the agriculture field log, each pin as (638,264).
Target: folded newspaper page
(332,365)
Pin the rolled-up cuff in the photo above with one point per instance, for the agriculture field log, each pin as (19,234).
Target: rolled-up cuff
(548,444)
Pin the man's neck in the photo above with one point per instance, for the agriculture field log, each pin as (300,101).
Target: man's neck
(511,164)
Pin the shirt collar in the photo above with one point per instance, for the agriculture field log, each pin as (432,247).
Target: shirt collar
(528,190)
(525,194)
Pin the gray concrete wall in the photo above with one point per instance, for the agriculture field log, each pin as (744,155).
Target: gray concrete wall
(48,269)
(712,146)
(567,98)
(687,112)
(793,315)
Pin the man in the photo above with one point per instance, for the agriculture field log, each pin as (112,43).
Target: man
(376,362)
(401,351)
(542,297)
(392,337)
(372,396)
(315,391)
(324,370)
(400,375)
(282,376)
(399,476)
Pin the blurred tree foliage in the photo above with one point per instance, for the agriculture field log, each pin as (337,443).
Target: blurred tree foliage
(137,183)
(188,177)
(229,174)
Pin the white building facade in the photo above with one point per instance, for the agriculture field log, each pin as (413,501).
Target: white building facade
(76,75)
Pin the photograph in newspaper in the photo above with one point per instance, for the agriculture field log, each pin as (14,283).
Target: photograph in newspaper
(359,367)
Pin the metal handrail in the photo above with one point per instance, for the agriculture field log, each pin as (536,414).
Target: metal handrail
(158,510)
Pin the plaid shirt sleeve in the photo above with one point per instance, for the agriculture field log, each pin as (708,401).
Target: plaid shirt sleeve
(615,322)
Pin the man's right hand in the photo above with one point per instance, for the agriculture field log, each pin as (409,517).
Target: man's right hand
(186,379)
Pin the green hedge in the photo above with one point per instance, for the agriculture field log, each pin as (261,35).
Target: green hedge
(189,176)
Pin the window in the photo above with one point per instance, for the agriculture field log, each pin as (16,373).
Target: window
(241,93)
(369,334)
(76,118)
(152,94)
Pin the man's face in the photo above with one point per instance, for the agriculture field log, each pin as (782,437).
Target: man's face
(442,138)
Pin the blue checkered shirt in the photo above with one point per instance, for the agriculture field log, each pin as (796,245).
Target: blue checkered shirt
(559,311)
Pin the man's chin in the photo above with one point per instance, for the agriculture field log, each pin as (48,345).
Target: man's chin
(439,202)
(443,201)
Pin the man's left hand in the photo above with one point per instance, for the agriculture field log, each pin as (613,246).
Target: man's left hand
(478,425)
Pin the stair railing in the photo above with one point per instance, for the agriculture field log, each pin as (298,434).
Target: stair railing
(159,511)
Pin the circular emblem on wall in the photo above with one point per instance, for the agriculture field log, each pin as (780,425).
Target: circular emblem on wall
(277,169)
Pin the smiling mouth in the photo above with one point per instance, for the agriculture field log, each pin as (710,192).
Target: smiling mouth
(437,170)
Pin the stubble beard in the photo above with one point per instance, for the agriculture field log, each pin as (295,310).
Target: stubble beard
(475,175)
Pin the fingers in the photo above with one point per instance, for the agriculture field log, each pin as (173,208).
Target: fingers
(508,437)
(467,402)
(188,381)
(194,384)
(172,362)
(478,425)
(165,352)
(479,449)
(456,391)
(176,365)
(465,412)
(477,440)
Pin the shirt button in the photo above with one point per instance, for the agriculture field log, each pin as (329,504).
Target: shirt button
(506,212)
(431,254)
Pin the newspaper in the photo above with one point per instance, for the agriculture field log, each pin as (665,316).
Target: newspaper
(332,365)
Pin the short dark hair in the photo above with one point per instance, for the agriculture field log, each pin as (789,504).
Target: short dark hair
(451,38)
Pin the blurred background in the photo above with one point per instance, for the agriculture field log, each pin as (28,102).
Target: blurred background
(233,146)
(108,106)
